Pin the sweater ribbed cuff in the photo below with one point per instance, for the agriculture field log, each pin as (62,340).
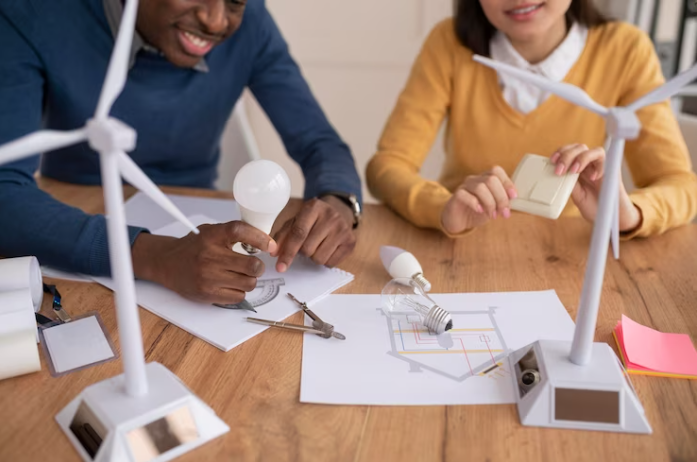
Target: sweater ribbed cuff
(642,230)
(433,214)
(99,262)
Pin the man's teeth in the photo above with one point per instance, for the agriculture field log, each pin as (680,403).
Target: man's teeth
(196,40)
(526,9)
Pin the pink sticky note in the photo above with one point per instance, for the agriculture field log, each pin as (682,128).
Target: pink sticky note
(650,349)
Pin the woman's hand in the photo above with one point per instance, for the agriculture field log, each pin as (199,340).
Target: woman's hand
(590,164)
(478,199)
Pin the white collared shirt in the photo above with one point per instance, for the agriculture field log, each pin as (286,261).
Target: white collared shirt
(524,97)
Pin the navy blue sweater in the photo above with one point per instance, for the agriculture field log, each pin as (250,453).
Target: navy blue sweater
(53,58)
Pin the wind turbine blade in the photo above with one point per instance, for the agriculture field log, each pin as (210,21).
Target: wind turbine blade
(569,92)
(118,65)
(135,176)
(38,142)
(665,91)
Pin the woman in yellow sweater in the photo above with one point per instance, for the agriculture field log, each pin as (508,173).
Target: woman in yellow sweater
(493,120)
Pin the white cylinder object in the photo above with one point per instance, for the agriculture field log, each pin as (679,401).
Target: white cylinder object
(19,353)
(17,313)
(130,336)
(587,316)
(22,273)
(16,300)
(402,264)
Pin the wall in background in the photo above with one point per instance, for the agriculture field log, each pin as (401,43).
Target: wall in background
(356,57)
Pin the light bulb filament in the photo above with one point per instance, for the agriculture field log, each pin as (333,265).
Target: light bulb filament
(416,306)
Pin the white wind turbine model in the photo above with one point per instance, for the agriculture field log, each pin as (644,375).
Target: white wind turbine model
(146,412)
(554,391)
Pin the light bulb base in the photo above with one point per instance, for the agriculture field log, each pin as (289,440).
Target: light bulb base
(438,320)
(422,281)
(249,249)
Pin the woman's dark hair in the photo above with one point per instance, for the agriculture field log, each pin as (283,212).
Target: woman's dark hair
(475,31)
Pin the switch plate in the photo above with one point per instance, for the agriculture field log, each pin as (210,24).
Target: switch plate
(540,190)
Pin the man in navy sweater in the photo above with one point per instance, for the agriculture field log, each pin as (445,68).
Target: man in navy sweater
(190,61)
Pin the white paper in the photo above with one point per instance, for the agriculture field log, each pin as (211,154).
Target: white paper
(50,272)
(179,230)
(142,211)
(391,361)
(76,344)
(226,328)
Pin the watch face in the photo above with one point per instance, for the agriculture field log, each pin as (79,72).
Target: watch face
(354,203)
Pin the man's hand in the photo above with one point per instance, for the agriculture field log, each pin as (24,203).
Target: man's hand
(477,200)
(590,164)
(203,267)
(322,230)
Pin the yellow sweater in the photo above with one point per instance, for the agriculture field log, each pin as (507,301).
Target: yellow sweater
(617,66)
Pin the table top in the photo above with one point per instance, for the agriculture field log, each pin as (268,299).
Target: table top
(255,387)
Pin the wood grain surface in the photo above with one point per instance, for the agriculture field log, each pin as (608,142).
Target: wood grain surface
(255,387)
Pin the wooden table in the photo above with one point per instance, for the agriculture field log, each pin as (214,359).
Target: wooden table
(255,387)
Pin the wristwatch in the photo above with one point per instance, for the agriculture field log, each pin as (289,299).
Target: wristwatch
(352,201)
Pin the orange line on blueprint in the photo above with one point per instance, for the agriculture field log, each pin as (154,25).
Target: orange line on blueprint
(417,337)
(446,352)
(450,331)
(431,340)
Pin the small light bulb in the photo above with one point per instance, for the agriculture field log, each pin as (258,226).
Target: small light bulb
(262,190)
(406,296)
(402,264)
(528,379)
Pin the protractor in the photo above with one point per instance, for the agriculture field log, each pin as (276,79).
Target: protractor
(266,290)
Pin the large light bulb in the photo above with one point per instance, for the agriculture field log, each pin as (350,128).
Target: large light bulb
(401,264)
(406,296)
(262,190)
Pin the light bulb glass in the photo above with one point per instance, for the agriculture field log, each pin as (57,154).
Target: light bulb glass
(402,264)
(262,190)
(405,296)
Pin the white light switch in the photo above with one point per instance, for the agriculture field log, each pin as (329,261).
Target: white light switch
(527,175)
(540,190)
(547,186)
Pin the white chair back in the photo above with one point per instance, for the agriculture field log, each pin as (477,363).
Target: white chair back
(238,146)
(688,125)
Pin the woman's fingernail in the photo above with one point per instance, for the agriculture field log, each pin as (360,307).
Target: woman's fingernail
(272,246)
(479,209)
(507,213)
(282,267)
(559,170)
(576,167)
(555,157)
(493,215)
(512,193)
